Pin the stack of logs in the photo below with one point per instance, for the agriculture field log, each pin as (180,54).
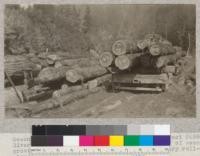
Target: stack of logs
(151,52)
(81,76)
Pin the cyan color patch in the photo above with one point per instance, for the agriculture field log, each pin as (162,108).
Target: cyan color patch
(146,140)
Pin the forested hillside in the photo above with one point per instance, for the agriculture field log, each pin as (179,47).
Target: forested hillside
(78,28)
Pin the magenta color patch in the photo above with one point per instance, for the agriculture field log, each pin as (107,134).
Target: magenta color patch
(86,141)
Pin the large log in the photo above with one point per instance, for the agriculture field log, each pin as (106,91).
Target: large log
(124,62)
(77,74)
(67,90)
(16,65)
(80,62)
(165,60)
(64,100)
(90,85)
(43,63)
(121,47)
(50,74)
(106,59)
(161,49)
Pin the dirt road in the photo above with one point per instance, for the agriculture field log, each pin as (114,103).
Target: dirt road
(172,103)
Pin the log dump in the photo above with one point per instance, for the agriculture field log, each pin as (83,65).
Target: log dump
(64,78)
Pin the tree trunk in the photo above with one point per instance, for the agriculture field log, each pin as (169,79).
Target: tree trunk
(106,59)
(121,47)
(50,74)
(64,100)
(161,49)
(77,74)
(124,62)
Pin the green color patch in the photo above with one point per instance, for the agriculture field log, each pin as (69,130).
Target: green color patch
(131,140)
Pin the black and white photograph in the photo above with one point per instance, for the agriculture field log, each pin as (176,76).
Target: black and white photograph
(100,60)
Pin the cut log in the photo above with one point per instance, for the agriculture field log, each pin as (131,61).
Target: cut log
(64,100)
(124,62)
(80,62)
(31,95)
(15,65)
(161,49)
(39,61)
(64,91)
(152,39)
(169,69)
(77,74)
(90,85)
(99,81)
(50,74)
(166,42)
(51,59)
(165,60)
(106,59)
(142,44)
(121,47)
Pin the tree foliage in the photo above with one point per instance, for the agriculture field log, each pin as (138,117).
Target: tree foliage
(76,28)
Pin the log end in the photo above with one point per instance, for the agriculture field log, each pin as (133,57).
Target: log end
(141,44)
(155,50)
(72,76)
(106,59)
(122,62)
(119,47)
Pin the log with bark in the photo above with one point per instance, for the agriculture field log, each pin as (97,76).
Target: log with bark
(121,47)
(50,74)
(81,74)
(67,90)
(15,65)
(106,59)
(31,95)
(161,49)
(43,63)
(80,62)
(64,100)
(124,62)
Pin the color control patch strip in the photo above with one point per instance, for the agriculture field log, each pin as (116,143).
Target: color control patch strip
(101,135)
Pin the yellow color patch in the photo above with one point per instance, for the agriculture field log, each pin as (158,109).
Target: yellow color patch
(116,140)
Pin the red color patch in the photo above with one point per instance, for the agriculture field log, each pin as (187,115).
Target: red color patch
(101,140)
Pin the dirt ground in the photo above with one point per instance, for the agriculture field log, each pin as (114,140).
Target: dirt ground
(171,103)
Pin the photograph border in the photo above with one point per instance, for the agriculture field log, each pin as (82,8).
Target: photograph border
(22,125)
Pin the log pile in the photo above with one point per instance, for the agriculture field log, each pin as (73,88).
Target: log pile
(151,52)
(81,76)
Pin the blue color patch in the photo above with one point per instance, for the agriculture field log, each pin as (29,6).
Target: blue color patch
(146,140)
